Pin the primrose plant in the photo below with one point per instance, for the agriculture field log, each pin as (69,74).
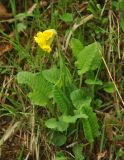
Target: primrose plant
(70,102)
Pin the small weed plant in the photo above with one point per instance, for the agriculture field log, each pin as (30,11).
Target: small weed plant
(70,101)
(61,63)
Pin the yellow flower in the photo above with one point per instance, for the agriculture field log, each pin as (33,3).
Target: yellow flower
(45,38)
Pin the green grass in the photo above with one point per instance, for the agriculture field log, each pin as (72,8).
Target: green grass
(67,104)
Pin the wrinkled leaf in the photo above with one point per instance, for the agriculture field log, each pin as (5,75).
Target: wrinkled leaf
(87,130)
(41,89)
(77,150)
(52,75)
(92,119)
(76,46)
(89,58)
(79,98)
(61,100)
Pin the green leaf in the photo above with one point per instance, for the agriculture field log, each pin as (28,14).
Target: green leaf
(62,126)
(77,150)
(120,153)
(21,27)
(121,5)
(122,24)
(98,103)
(56,125)
(58,139)
(87,130)
(93,82)
(89,58)
(115,5)
(41,89)
(92,120)
(60,156)
(66,77)
(109,87)
(26,78)
(90,124)
(72,119)
(51,123)
(79,98)
(69,119)
(76,46)
(67,17)
(52,75)
(59,77)
(61,99)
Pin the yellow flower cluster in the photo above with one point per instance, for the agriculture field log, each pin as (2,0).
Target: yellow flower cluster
(45,38)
